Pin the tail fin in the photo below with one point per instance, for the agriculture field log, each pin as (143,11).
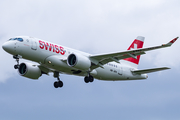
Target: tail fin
(137,43)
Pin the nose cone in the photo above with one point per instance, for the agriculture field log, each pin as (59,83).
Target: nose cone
(9,47)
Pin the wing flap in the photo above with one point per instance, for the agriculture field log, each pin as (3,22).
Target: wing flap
(149,70)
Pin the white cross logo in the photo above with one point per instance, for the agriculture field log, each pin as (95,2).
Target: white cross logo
(135,47)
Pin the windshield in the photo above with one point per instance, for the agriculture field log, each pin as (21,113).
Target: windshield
(19,39)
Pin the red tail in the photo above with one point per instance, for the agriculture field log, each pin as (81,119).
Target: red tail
(137,43)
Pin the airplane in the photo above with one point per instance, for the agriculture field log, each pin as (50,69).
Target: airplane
(59,59)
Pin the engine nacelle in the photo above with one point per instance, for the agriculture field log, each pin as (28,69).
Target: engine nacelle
(79,61)
(29,70)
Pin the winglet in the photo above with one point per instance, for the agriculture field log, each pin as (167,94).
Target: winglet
(171,42)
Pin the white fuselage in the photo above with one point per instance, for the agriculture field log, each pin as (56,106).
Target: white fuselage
(54,57)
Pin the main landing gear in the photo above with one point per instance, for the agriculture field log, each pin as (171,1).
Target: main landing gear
(17,60)
(58,83)
(88,79)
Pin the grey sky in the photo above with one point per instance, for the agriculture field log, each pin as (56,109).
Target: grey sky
(93,26)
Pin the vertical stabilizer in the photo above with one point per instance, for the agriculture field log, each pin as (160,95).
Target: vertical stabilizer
(137,43)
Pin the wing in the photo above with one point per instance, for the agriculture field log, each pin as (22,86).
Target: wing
(45,69)
(100,60)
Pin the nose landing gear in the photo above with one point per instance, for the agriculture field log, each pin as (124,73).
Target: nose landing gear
(17,60)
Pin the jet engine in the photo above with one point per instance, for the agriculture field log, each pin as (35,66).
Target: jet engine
(29,70)
(79,61)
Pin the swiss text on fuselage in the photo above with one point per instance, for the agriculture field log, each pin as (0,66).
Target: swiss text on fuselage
(51,47)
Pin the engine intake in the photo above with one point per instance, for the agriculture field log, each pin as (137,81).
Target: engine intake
(79,61)
(29,70)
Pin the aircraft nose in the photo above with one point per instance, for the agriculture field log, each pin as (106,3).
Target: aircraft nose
(8,47)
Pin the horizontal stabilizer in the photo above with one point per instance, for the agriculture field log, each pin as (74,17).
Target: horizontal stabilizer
(149,70)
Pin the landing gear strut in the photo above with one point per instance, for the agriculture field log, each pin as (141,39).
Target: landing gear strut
(58,83)
(17,60)
(88,79)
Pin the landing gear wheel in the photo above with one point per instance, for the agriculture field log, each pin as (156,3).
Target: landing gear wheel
(91,78)
(86,79)
(16,66)
(58,84)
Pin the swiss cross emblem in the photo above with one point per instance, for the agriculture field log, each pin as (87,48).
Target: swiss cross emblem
(135,47)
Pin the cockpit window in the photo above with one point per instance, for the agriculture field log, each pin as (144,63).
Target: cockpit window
(19,39)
